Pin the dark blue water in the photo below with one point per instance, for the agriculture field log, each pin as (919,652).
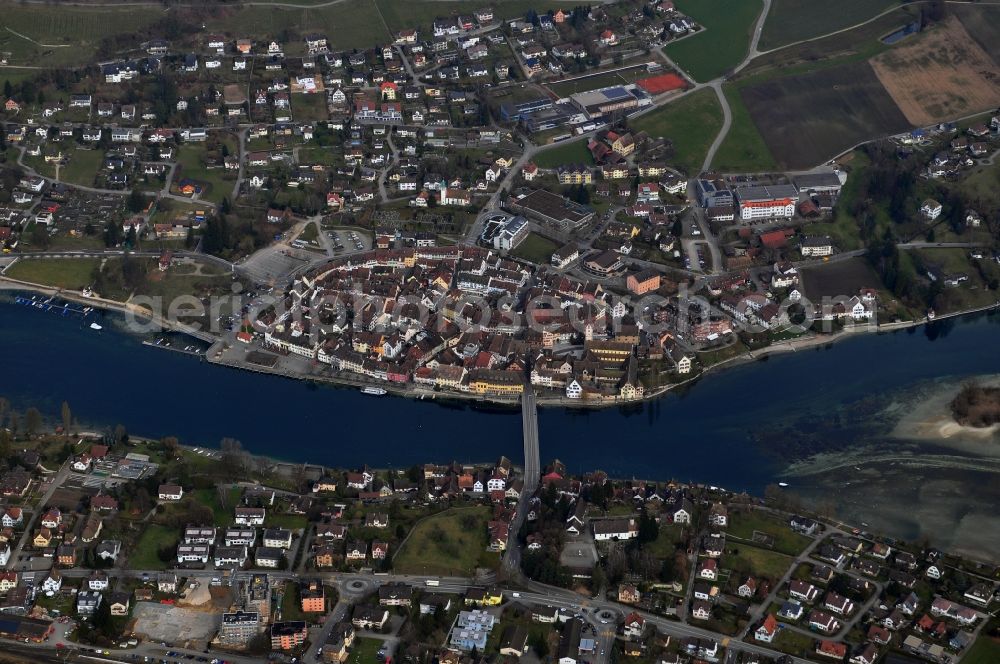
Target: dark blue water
(704,434)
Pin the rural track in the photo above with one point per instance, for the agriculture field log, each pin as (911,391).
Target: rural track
(727,112)
(280,5)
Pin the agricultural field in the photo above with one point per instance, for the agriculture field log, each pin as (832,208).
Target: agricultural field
(398,15)
(811,118)
(791,21)
(856,44)
(723,43)
(569,152)
(743,149)
(64,36)
(71,273)
(347,25)
(446,544)
(536,249)
(690,123)
(839,278)
(982,22)
(938,75)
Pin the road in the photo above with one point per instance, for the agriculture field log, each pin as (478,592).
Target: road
(43,500)
(532,475)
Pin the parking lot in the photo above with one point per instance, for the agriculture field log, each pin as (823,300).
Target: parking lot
(579,552)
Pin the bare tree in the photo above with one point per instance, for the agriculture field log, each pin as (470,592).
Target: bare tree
(67,418)
(32,421)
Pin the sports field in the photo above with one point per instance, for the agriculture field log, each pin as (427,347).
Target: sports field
(722,44)
(808,119)
(790,21)
(690,123)
(597,81)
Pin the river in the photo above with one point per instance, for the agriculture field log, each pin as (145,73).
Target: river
(741,428)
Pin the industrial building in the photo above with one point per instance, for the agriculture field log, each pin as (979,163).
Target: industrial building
(551,208)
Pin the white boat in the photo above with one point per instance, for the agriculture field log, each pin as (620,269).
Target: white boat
(375,391)
(782,484)
(95,326)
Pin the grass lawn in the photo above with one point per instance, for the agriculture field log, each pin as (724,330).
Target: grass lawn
(73,273)
(722,44)
(982,183)
(765,563)
(309,108)
(567,152)
(970,294)
(81,167)
(364,651)
(39,165)
(291,607)
(222,514)
(446,544)
(743,149)
(309,234)
(317,156)
(536,248)
(666,540)
(793,643)
(717,355)
(984,651)
(795,20)
(743,525)
(152,540)
(691,123)
(289,521)
(169,285)
(189,156)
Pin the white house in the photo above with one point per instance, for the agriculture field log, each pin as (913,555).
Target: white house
(931,209)
(170,492)
(52,583)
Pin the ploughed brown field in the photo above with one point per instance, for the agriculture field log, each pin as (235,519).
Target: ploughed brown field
(810,118)
(982,22)
(940,74)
